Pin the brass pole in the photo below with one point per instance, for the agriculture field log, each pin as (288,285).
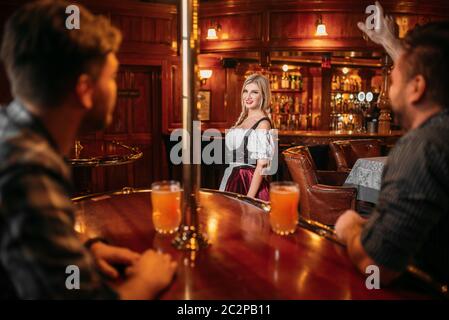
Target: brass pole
(189,236)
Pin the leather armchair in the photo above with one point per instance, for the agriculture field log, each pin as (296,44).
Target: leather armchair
(346,152)
(318,200)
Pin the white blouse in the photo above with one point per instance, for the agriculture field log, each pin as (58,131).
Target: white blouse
(260,144)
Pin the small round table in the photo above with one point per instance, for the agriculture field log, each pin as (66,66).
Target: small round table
(245,259)
(102,153)
(86,156)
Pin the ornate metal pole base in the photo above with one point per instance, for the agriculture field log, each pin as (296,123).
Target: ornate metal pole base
(190,238)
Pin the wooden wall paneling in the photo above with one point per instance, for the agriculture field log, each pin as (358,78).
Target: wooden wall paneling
(146,27)
(150,39)
(145,34)
(238,30)
(141,126)
(297,30)
(120,123)
(171,95)
(225,85)
(141,118)
(235,80)
(217,85)
(291,24)
(160,167)
(144,130)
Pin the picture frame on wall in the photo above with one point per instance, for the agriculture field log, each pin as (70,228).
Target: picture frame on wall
(204,105)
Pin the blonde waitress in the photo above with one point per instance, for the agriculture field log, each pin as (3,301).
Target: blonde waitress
(249,143)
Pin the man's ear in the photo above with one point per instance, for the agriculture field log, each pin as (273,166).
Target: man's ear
(417,89)
(85,91)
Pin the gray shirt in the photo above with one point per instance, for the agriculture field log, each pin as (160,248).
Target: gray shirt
(410,223)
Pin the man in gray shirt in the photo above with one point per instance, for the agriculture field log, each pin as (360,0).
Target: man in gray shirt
(410,223)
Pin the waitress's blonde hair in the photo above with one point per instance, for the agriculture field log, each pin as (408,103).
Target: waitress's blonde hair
(264,86)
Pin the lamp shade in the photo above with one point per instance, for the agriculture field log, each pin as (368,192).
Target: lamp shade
(205,74)
(211,34)
(321,30)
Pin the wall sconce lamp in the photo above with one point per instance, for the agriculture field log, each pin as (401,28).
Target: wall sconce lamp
(212,32)
(204,75)
(320,27)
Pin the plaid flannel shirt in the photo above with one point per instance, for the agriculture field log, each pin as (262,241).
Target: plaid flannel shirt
(37,237)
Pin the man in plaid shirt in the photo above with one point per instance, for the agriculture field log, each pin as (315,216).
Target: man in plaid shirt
(63,81)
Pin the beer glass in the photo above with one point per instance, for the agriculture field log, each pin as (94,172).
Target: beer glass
(284,198)
(166,203)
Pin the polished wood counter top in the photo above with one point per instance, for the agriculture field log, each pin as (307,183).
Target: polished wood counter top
(343,134)
(323,133)
(245,260)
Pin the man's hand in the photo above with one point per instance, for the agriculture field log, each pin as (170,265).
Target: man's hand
(155,268)
(385,35)
(349,228)
(386,30)
(106,256)
(346,223)
(148,276)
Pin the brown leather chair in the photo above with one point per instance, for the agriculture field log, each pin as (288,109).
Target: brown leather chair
(322,198)
(346,152)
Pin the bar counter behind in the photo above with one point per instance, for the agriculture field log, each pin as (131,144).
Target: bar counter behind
(317,141)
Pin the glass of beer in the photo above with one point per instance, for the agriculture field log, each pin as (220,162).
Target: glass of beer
(284,198)
(166,203)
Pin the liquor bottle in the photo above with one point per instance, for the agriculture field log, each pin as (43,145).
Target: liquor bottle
(275,83)
(289,122)
(332,125)
(284,81)
(278,103)
(309,114)
(290,105)
(351,116)
(278,122)
(281,104)
(293,83)
(299,82)
(297,105)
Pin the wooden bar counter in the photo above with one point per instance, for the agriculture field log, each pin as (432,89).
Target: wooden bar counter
(308,138)
(245,259)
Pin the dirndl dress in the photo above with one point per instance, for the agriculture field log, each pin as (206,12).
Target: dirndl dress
(243,148)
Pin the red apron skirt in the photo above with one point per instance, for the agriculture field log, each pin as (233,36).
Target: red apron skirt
(240,179)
